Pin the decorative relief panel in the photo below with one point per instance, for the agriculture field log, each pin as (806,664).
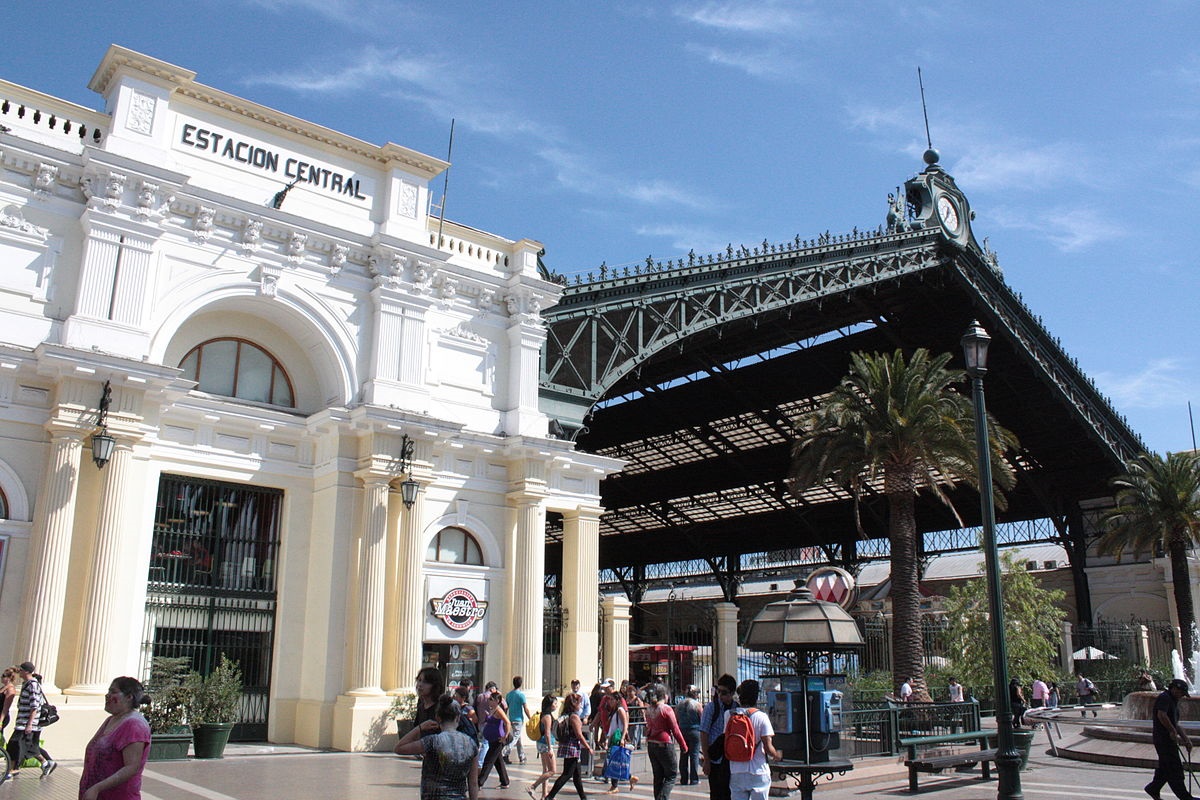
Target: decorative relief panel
(44,180)
(407,200)
(141,114)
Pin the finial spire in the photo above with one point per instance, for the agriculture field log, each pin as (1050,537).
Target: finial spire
(931,155)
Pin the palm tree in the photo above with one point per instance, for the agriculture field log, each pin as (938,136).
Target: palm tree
(902,421)
(1158,505)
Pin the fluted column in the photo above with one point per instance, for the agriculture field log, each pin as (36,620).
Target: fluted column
(105,622)
(527,574)
(580,596)
(409,594)
(616,640)
(366,676)
(725,637)
(49,555)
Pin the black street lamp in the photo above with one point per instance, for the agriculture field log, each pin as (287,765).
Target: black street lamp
(1008,760)
(408,487)
(103,444)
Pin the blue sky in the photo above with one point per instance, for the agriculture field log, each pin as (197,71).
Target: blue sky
(613,131)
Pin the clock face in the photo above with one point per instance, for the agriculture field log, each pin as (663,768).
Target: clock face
(948,213)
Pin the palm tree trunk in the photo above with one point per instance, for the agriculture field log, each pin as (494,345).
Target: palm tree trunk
(908,646)
(1180,580)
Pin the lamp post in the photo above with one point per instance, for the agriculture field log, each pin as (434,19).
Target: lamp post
(1008,760)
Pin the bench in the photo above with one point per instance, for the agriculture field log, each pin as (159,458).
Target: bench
(984,755)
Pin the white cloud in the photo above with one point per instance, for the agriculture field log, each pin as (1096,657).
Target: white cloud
(685,237)
(758,63)
(575,172)
(359,14)
(374,70)
(770,18)
(1162,383)
(1068,228)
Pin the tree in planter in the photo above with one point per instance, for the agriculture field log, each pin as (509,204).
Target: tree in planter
(216,705)
(170,698)
(1033,619)
(217,697)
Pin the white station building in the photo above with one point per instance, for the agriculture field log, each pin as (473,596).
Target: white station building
(283,350)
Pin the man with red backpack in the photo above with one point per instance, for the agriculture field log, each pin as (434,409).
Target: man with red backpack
(748,744)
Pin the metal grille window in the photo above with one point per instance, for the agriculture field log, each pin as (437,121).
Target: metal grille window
(211,586)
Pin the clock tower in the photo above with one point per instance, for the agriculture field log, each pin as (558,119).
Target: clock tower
(934,201)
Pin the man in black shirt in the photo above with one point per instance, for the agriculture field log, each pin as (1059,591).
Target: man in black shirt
(1168,735)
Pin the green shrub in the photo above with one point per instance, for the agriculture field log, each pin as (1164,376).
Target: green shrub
(217,697)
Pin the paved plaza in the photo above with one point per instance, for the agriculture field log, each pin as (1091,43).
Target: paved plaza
(251,772)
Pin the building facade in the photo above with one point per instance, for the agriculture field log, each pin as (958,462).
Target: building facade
(283,344)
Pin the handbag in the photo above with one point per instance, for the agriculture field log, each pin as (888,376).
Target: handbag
(616,766)
(716,748)
(47,716)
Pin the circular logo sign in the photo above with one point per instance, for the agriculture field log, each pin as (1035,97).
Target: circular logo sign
(833,585)
(459,609)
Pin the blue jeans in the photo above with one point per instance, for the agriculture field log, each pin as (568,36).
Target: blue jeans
(689,762)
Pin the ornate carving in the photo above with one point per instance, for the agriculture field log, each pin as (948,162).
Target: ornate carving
(295,248)
(203,225)
(147,194)
(252,235)
(11,217)
(337,258)
(268,280)
(104,189)
(387,268)
(407,205)
(462,332)
(524,305)
(422,277)
(44,180)
(487,298)
(447,288)
(141,114)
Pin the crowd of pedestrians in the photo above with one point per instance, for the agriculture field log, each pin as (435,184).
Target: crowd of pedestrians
(467,733)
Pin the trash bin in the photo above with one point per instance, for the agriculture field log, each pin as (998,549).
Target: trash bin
(1023,741)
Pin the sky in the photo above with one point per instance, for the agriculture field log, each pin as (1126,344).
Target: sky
(612,131)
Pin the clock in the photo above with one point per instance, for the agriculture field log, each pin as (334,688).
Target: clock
(948,212)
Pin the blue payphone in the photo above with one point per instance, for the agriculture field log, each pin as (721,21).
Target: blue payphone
(806,713)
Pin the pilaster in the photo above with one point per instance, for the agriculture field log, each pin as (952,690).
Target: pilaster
(526,579)
(366,676)
(407,600)
(581,604)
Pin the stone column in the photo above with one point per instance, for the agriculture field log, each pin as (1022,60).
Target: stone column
(1065,651)
(616,642)
(1143,644)
(725,637)
(49,555)
(105,623)
(581,565)
(526,582)
(408,595)
(366,676)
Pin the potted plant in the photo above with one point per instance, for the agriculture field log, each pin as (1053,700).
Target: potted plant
(216,702)
(404,711)
(170,737)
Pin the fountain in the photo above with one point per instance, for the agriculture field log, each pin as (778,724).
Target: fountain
(1124,739)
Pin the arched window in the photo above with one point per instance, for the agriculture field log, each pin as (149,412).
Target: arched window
(3,505)
(237,368)
(454,546)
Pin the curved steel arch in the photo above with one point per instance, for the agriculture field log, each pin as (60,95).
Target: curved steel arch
(601,333)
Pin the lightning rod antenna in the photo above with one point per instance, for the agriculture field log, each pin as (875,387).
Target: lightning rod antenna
(924,111)
(445,184)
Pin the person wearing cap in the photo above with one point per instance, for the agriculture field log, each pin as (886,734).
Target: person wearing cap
(26,738)
(1168,735)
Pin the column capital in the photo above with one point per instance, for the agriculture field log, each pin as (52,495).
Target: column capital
(373,476)
(583,512)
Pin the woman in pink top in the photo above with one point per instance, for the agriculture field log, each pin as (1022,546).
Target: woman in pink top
(116,755)
(661,729)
